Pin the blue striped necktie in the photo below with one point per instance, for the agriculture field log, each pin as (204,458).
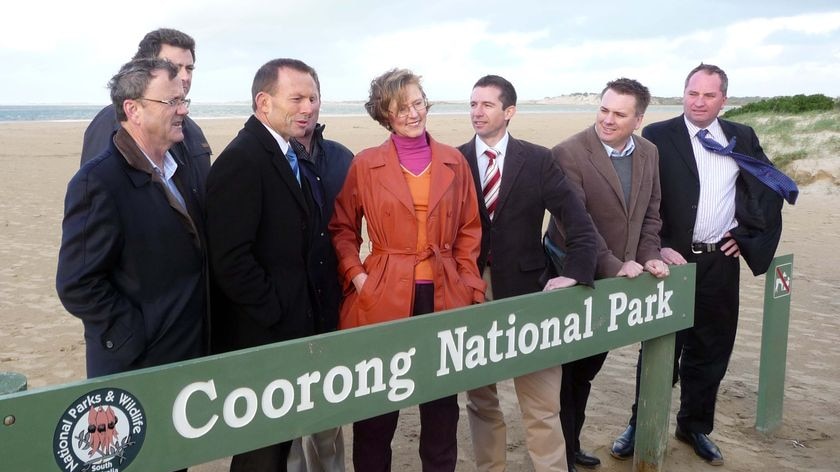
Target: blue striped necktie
(763,171)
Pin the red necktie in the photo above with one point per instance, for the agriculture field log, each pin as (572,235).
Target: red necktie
(492,182)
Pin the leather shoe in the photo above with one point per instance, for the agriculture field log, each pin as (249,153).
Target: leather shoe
(703,446)
(587,460)
(624,445)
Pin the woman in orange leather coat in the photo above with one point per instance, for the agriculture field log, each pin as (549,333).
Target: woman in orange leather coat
(420,207)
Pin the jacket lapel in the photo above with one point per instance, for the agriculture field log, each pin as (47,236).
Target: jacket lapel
(387,165)
(135,158)
(468,150)
(278,160)
(681,141)
(603,164)
(514,160)
(442,173)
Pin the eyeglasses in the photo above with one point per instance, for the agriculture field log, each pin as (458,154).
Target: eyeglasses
(175,102)
(419,106)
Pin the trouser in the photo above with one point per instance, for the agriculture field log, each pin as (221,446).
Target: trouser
(271,458)
(574,394)
(704,350)
(438,423)
(319,452)
(538,394)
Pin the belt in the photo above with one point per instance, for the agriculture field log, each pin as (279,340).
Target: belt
(704,248)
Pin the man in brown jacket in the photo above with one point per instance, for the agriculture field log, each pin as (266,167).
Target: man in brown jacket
(616,175)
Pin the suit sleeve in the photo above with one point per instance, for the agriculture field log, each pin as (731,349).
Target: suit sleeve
(346,226)
(234,207)
(607,264)
(468,239)
(567,208)
(91,245)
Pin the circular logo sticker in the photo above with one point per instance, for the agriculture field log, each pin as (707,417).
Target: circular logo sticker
(102,430)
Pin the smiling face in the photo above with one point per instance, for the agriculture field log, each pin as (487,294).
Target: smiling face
(703,98)
(407,116)
(488,116)
(292,106)
(616,119)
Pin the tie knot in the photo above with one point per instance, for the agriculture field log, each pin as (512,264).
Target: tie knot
(703,133)
(491,153)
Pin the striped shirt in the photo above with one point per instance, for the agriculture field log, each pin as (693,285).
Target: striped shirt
(716,206)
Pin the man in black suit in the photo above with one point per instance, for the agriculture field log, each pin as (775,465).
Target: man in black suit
(711,214)
(179,49)
(512,203)
(260,221)
(132,261)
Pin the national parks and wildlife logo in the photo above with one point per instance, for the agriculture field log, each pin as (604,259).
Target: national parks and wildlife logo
(102,430)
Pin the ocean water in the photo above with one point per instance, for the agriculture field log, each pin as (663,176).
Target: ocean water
(16,113)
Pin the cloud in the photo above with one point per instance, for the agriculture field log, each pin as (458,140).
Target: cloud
(544,49)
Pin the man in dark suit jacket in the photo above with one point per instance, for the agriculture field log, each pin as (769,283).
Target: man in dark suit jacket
(179,49)
(616,175)
(512,260)
(132,261)
(711,214)
(325,164)
(259,227)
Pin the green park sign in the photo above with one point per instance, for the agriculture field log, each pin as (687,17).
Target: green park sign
(186,413)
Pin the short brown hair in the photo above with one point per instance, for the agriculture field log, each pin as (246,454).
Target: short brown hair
(265,80)
(152,43)
(625,86)
(388,88)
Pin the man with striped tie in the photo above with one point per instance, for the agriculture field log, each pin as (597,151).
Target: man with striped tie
(516,183)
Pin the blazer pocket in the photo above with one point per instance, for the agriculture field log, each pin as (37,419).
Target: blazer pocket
(125,341)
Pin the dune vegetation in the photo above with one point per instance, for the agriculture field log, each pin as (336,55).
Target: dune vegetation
(800,134)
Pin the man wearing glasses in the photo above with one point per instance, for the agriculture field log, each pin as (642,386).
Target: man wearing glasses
(132,263)
(179,49)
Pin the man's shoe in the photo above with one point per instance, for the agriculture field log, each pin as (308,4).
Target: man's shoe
(703,446)
(624,445)
(587,460)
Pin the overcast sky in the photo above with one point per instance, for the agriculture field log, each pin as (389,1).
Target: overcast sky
(65,52)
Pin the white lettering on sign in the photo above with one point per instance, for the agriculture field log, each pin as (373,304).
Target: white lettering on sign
(242,404)
(640,310)
(476,350)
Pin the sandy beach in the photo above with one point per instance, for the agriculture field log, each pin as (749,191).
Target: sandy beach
(41,340)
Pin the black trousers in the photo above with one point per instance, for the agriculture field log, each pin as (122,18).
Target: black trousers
(702,352)
(574,393)
(271,458)
(438,423)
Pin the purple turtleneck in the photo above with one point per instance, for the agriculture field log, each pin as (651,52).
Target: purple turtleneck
(414,153)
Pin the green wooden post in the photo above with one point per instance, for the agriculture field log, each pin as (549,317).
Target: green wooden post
(654,404)
(774,338)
